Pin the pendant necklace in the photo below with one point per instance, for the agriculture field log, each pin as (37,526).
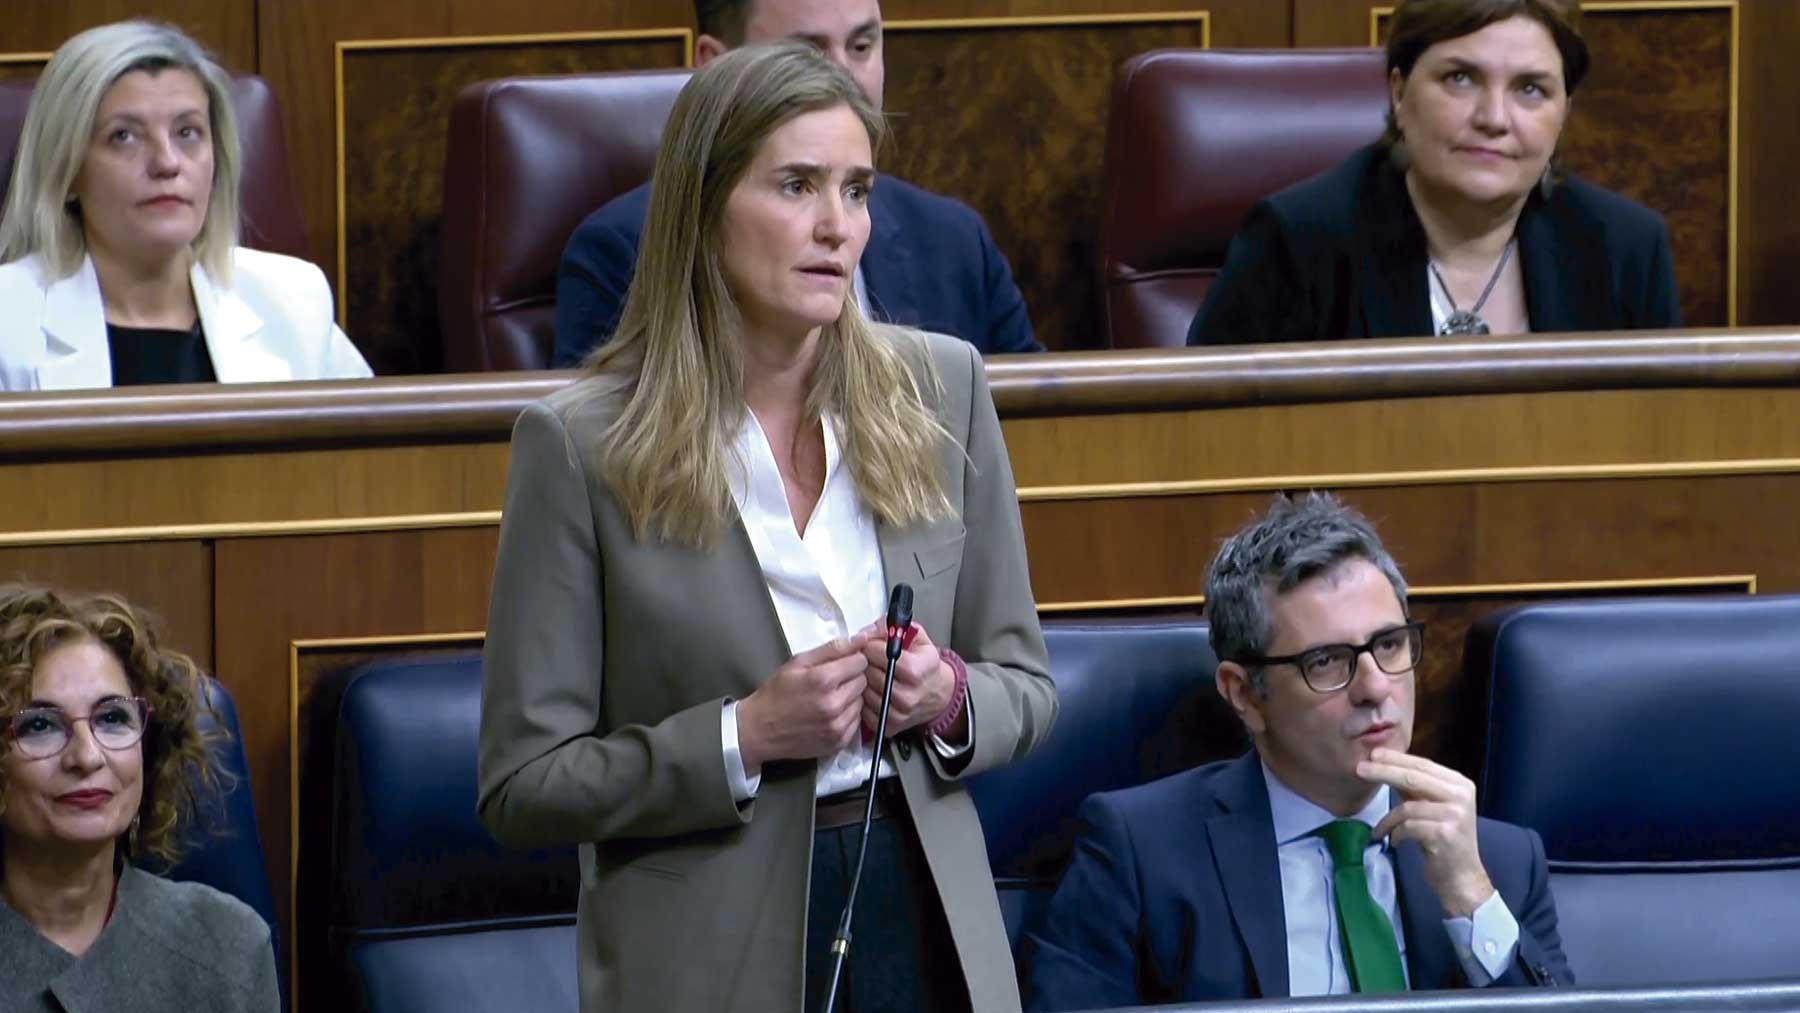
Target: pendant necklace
(1469,321)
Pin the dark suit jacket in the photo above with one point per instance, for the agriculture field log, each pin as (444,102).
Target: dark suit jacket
(1174,895)
(1342,255)
(930,264)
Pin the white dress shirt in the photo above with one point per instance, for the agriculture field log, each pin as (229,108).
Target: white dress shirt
(1484,944)
(825,584)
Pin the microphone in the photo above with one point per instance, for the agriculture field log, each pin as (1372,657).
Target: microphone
(899,623)
(899,635)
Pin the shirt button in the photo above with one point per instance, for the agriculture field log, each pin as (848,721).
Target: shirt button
(843,763)
(1489,947)
(824,613)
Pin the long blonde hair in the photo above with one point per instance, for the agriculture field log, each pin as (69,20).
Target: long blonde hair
(676,360)
(39,217)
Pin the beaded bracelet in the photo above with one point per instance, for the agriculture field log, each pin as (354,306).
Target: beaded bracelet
(947,720)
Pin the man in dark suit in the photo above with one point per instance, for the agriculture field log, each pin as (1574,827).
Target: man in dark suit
(1327,860)
(930,262)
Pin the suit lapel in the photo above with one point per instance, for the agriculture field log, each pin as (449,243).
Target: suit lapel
(887,265)
(232,329)
(76,353)
(1243,847)
(1563,258)
(1391,255)
(1430,960)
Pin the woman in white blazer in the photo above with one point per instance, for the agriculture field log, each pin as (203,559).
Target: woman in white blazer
(119,261)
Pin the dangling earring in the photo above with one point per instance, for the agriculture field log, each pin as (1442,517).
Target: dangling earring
(131,837)
(1398,156)
(1546,181)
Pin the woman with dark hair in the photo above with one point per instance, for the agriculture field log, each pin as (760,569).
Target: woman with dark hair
(683,665)
(1457,221)
(103,761)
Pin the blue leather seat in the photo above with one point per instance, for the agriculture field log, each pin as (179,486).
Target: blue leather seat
(1655,745)
(222,848)
(428,912)
(1137,702)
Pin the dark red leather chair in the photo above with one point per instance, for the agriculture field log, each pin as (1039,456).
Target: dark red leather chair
(1194,139)
(269,217)
(528,158)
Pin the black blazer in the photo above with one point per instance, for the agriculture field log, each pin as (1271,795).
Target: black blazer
(1342,255)
(1174,895)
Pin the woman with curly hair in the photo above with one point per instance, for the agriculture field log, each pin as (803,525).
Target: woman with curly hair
(102,762)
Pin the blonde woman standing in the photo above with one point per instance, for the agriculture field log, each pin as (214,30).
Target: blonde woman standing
(682,665)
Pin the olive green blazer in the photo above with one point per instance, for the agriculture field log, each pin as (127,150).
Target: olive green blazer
(607,663)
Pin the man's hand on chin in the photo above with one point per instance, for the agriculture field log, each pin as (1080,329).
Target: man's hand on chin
(1437,810)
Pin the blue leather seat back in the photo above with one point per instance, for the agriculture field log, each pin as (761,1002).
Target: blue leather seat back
(1653,744)
(1137,702)
(411,859)
(498,971)
(223,849)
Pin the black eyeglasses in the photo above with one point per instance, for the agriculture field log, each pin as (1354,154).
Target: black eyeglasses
(42,732)
(1330,667)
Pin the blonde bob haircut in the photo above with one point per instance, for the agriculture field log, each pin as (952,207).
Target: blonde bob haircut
(676,361)
(40,215)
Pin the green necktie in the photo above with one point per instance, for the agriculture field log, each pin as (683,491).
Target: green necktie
(1369,948)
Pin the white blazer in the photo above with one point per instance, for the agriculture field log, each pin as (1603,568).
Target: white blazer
(272,323)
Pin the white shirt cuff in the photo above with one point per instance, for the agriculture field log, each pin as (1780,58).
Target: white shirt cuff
(1486,943)
(949,752)
(743,786)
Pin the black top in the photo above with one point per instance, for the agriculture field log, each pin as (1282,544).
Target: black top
(1343,255)
(143,355)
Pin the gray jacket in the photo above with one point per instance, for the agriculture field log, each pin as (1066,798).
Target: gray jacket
(170,946)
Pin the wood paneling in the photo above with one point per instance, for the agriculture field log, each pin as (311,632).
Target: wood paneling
(227,27)
(272,592)
(1022,140)
(396,109)
(1673,461)
(1768,156)
(172,579)
(1649,123)
(296,43)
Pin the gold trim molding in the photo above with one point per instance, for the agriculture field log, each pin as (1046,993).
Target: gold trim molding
(1745,581)
(7,59)
(342,46)
(1440,476)
(1026,494)
(252,529)
(1590,7)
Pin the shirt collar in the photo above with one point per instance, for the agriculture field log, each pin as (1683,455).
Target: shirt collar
(1296,816)
(752,472)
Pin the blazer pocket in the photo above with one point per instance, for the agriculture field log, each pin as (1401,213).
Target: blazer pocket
(662,872)
(941,558)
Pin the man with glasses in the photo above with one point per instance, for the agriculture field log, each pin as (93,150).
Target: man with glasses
(1327,860)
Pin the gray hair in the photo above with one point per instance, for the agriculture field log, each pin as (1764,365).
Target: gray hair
(1298,539)
(38,217)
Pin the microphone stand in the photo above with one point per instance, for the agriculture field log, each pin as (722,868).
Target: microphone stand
(899,618)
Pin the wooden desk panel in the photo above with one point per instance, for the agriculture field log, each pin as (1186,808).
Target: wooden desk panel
(264,521)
